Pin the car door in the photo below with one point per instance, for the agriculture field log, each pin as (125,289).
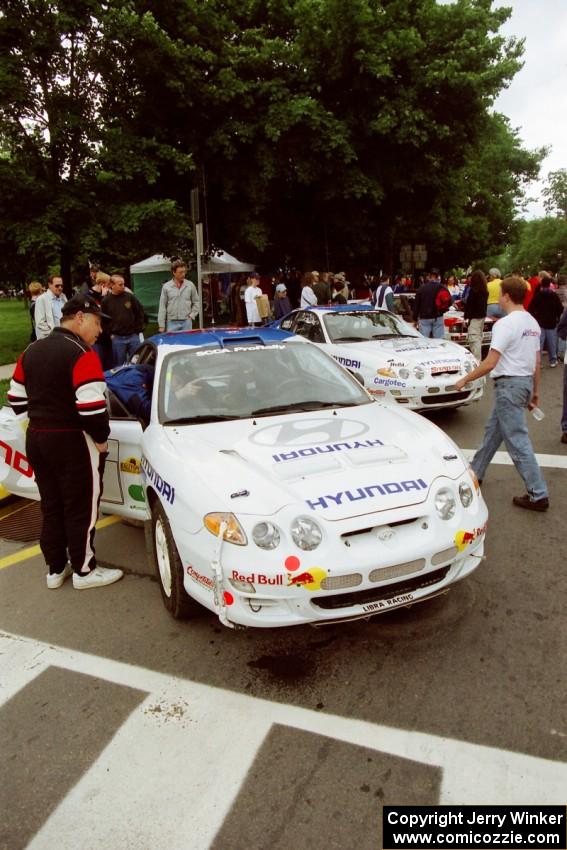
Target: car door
(122,492)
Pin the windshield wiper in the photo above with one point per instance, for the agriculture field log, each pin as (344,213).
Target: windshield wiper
(350,339)
(297,405)
(205,417)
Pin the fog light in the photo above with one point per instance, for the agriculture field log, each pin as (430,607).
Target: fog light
(242,586)
(404,374)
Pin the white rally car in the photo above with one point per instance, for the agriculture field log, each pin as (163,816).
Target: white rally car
(277,491)
(395,361)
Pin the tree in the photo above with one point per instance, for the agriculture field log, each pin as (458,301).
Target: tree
(541,244)
(73,185)
(555,193)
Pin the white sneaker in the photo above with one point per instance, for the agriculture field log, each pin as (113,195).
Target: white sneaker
(98,577)
(55,580)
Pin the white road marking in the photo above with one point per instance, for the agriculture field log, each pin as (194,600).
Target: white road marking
(547,461)
(175,767)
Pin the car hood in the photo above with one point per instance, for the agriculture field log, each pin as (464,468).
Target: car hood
(331,463)
(405,350)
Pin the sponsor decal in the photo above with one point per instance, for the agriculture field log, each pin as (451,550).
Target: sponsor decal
(307,432)
(132,465)
(449,367)
(384,604)
(346,361)
(136,492)
(234,348)
(200,578)
(386,489)
(531,333)
(309,579)
(388,373)
(417,347)
(258,578)
(376,392)
(162,487)
(330,447)
(390,382)
(465,538)
(398,364)
(17,460)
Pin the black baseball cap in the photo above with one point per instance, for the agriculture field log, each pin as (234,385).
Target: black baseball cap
(82,304)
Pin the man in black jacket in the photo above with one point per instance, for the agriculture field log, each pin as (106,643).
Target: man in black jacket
(429,319)
(58,383)
(126,320)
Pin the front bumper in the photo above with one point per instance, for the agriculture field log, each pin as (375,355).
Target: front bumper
(436,394)
(366,565)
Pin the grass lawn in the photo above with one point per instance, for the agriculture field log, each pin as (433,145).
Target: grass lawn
(3,391)
(15,330)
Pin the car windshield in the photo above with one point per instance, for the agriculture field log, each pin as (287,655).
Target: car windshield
(240,381)
(365,325)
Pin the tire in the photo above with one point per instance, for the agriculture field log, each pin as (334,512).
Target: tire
(169,568)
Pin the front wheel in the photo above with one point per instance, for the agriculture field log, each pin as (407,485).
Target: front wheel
(169,568)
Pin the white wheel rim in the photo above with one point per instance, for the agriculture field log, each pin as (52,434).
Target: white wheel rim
(162,555)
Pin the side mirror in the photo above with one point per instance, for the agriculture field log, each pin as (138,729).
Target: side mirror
(358,377)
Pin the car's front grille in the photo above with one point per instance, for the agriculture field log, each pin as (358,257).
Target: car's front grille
(439,399)
(362,597)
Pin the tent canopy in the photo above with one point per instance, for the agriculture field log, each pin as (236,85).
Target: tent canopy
(149,275)
(219,264)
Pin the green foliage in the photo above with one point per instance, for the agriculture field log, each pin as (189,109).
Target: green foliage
(555,193)
(15,322)
(4,387)
(326,131)
(541,244)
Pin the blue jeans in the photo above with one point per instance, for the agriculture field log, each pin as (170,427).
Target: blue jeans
(508,422)
(179,325)
(123,347)
(495,311)
(432,327)
(549,335)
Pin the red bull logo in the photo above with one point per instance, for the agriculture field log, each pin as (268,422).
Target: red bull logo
(465,538)
(309,579)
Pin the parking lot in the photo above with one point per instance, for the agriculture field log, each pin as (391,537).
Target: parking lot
(124,728)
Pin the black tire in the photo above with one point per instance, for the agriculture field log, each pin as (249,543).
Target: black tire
(169,568)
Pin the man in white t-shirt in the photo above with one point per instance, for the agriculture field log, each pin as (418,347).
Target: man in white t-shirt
(252,292)
(514,361)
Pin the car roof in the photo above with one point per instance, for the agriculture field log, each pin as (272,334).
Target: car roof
(221,337)
(342,308)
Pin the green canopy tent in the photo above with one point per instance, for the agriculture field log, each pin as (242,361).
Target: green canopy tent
(148,276)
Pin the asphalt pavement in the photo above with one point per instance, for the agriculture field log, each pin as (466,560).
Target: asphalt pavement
(123,728)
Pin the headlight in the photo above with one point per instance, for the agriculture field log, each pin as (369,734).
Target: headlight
(465,494)
(468,367)
(266,535)
(445,503)
(404,374)
(306,533)
(233,533)
(419,372)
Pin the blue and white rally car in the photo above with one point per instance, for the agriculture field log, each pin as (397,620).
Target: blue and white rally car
(396,362)
(276,490)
